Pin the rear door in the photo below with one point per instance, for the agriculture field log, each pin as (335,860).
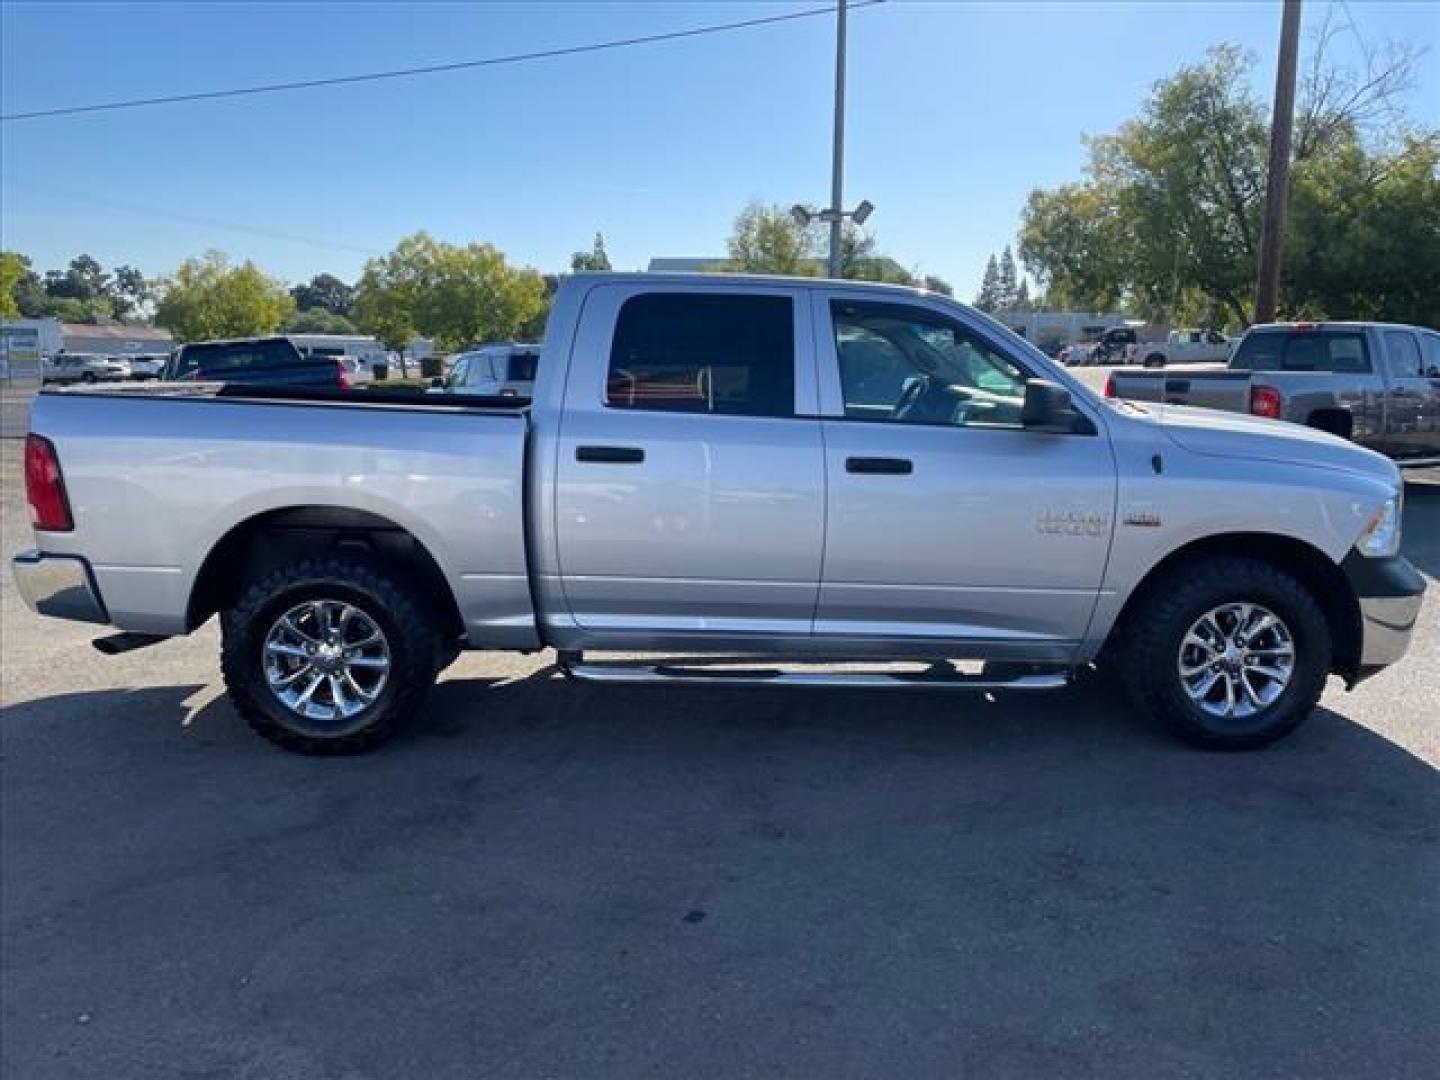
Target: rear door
(690,481)
(948,523)
(1413,428)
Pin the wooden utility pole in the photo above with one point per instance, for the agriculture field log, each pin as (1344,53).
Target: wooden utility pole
(1277,182)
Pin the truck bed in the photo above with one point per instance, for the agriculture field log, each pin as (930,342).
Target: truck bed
(156,473)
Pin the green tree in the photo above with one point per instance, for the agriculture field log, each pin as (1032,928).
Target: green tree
(457,295)
(594,259)
(84,279)
(12,271)
(128,293)
(1167,221)
(326,292)
(210,298)
(988,298)
(768,240)
(317,320)
(1007,285)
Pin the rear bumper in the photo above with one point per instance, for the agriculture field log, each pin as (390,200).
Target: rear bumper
(61,586)
(1389,593)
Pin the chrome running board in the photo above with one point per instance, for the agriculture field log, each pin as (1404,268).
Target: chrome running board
(939,676)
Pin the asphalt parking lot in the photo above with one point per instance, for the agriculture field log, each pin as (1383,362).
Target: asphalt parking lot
(547,880)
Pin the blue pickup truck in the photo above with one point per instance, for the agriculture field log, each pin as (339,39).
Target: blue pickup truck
(270,361)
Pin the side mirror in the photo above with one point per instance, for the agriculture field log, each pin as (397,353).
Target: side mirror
(1048,407)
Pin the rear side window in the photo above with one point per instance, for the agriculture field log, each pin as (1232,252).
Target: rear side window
(241,355)
(1303,350)
(1404,353)
(704,353)
(522,367)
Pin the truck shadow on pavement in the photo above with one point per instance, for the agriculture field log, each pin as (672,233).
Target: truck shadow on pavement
(617,880)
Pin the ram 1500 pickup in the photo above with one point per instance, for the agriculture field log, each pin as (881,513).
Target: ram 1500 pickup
(1377,384)
(768,471)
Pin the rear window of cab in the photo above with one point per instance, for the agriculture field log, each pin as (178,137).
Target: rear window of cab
(1303,350)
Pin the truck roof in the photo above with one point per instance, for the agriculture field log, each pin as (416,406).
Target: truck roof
(597,277)
(1326,324)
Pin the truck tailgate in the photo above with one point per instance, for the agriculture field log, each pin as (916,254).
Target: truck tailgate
(1205,387)
(156,480)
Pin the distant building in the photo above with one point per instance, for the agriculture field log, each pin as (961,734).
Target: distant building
(686,264)
(116,339)
(1051,331)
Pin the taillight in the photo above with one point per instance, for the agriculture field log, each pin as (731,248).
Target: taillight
(1265,401)
(45,487)
(1110,386)
(344,373)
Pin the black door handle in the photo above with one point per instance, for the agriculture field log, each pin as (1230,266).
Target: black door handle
(883,466)
(612,455)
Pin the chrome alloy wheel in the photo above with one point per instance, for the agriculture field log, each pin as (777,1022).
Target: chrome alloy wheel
(1236,659)
(326,660)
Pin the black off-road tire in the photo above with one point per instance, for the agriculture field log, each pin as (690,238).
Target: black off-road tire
(408,622)
(1150,646)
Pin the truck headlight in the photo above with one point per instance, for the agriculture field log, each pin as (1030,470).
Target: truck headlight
(1381,535)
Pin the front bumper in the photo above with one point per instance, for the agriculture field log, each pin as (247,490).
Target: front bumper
(1389,593)
(61,586)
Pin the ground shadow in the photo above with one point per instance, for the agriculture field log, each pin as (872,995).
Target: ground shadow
(567,879)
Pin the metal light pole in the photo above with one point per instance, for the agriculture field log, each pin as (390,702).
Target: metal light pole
(834,215)
(1277,183)
(837,160)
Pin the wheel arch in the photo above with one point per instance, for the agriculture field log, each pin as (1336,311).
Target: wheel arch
(275,537)
(1305,562)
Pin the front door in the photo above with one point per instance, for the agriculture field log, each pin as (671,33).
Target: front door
(690,494)
(948,522)
(1413,402)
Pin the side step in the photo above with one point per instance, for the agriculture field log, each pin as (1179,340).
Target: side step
(939,676)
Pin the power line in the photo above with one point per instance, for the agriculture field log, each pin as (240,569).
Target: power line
(432,69)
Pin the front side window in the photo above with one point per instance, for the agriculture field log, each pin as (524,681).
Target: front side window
(1431,345)
(1404,353)
(704,353)
(912,366)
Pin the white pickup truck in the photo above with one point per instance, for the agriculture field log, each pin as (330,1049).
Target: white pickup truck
(1122,344)
(784,471)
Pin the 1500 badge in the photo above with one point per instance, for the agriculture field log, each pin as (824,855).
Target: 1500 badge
(1072,522)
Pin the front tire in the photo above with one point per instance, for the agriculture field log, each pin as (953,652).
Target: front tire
(330,655)
(1228,653)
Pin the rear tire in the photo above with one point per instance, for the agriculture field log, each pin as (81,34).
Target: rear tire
(363,635)
(1183,674)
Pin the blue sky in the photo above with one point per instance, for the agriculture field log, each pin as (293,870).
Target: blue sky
(957,110)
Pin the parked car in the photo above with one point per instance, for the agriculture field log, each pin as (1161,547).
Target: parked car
(784,469)
(495,370)
(147,367)
(82,367)
(1376,384)
(272,361)
(1122,344)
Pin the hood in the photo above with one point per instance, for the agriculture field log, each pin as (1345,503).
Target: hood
(1239,435)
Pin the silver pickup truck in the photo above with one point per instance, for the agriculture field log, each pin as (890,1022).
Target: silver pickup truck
(1377,384)
(755,475)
